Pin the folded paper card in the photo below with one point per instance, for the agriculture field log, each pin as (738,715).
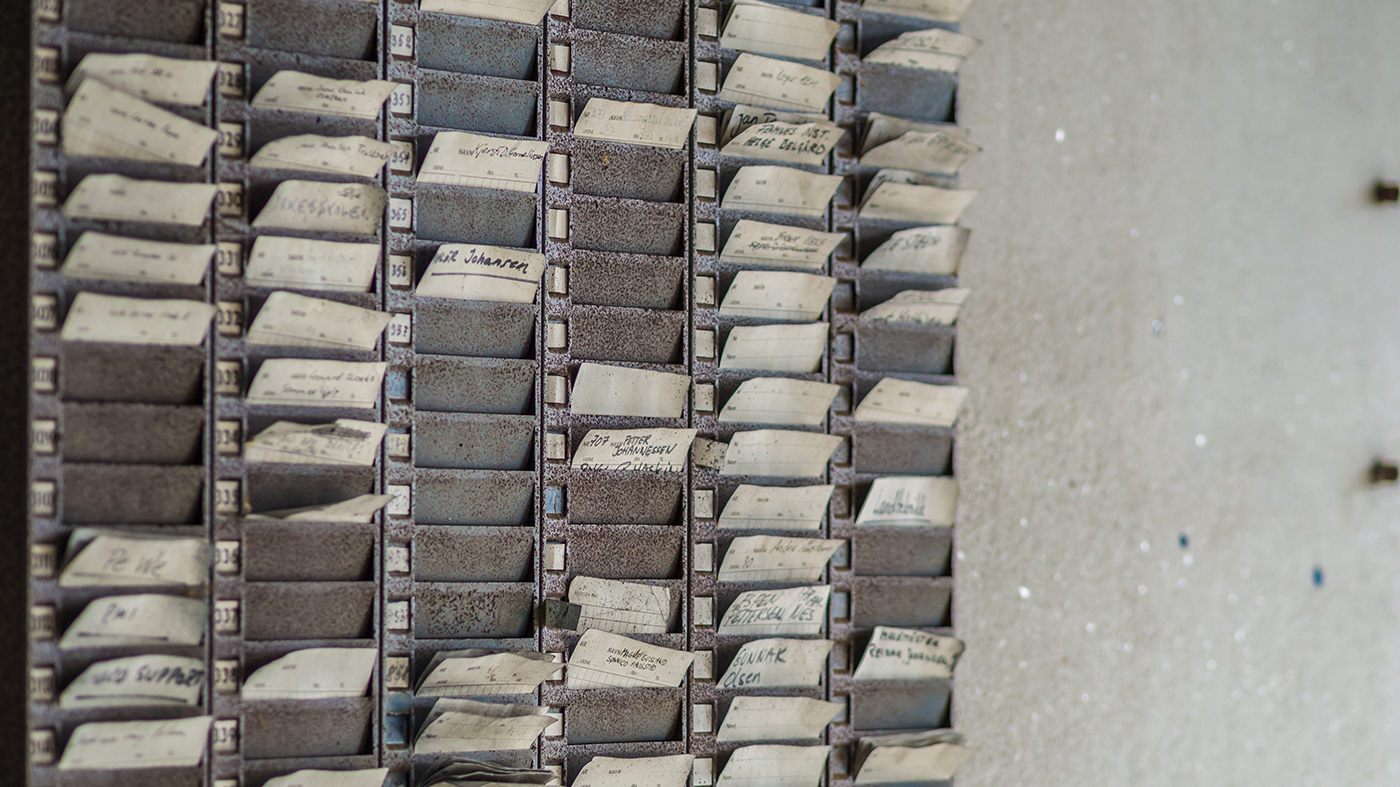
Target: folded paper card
(794,143)
(602,659)
(779,452)
(162,80)
(778,84)
(902,195)
(934,250)
(114,558)
(777,295)
(369,777)
(479,671)
(777,559)
(620,607)
(776,348)
(345,442)
(776,719)
(360,508)
(895,401)
(919,307)
(635,123)
(922,147)
(291,320)
(97,255)
(119,198)
(634,449)
(908,654)
(304,263)
(928,50)
(119,320)
(743,116)
(294,91)
(601,389)
(103,121)
(769,189)
(313,674)
(127,745)
(460,158)
(770,29)
(909,757)
(455,725)
(932,10)
(314,383)
(154,680)
(780,400)
(142,620)
(525,12)
(359,157)
(777,663)
(776,507)
(472,272)
(775,766)
(910,501)
(669,771)
(791,612)
(314,206)
(778,245)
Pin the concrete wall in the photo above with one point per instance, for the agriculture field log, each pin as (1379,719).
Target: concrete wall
(1184,323)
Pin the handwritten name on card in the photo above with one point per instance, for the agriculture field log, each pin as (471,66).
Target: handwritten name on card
(472,272)
(110,318)
(163,80)
(760,243)
(908,654)
(136,681)
(920,307)
(605,660)
(311,264)
(308,383)
(525,12)
(777,663)
(345,442)
(294,91)
(114,258)
(123,745)
(936,250)
(102,121)
(354,208)
(777,559)
(635,123)
(792,612)
(910,501)
(634,449)
(778,84)
(359,157)
(142,619)
(462,159)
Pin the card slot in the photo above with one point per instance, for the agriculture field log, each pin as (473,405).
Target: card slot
(896,551)
(651,18)
(576,757)
(170,233)
(331,28)
(611,169)
(177,21)
(906,602)
(75,168)
(308,551)
(901,706)
(134,777)
(131,433)
(874,287)
(486,47)
(473,554)
(877,28)
(465,441)
(473,497)
(82,43)
(445,610)
(902,449)
(614,224)
(525,758)
(629,62)
(474,385)
(257,773)
(623,717)
(276,486)
(631,280)
(467,214)
(728,219)
(477,103)
(268,125)
(625,551)
(69,287)
(625,497)
(70,719)
(264,63)
(115,494)
(905,347)
(337,727)
(909,93)
(308,610)
(443,326)
(610,333)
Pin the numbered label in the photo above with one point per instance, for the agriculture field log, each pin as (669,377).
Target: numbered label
(44,188)
(232,80)
(400,40)
(42,684)
(47,10)
(46,64)
(397,445)
(43,436)
(229,199)
(226,676)
(401,100)
(231,137)
(226,616)
(396,672)
(43,747)
(42,622)
(401,329)
(43,496)
(401,158)
(45,312)
(45,129)
(228,438)
(228,556)
(44,375)
(227,497)
(397,560)
(229,319)
(403,499)
(43,250)
(396,615)
(400,270)
(231,20)
(224,736)
(43,560)
(400,213)
(228,259)
(228,378)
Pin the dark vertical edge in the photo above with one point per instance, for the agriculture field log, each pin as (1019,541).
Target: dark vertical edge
(15,46)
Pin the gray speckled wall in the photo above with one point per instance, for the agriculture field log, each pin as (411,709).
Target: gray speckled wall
(1184,322)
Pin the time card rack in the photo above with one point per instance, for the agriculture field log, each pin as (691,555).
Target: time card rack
(374,342)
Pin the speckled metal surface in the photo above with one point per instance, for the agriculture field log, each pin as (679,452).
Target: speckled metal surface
(488,521)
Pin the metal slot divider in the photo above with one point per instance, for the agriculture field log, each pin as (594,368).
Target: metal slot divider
(714,488)
(406,653)
(566,98)
(55,51)
(855,381)
(235,654)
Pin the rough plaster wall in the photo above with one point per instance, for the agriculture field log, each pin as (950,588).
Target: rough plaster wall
(1214,175)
